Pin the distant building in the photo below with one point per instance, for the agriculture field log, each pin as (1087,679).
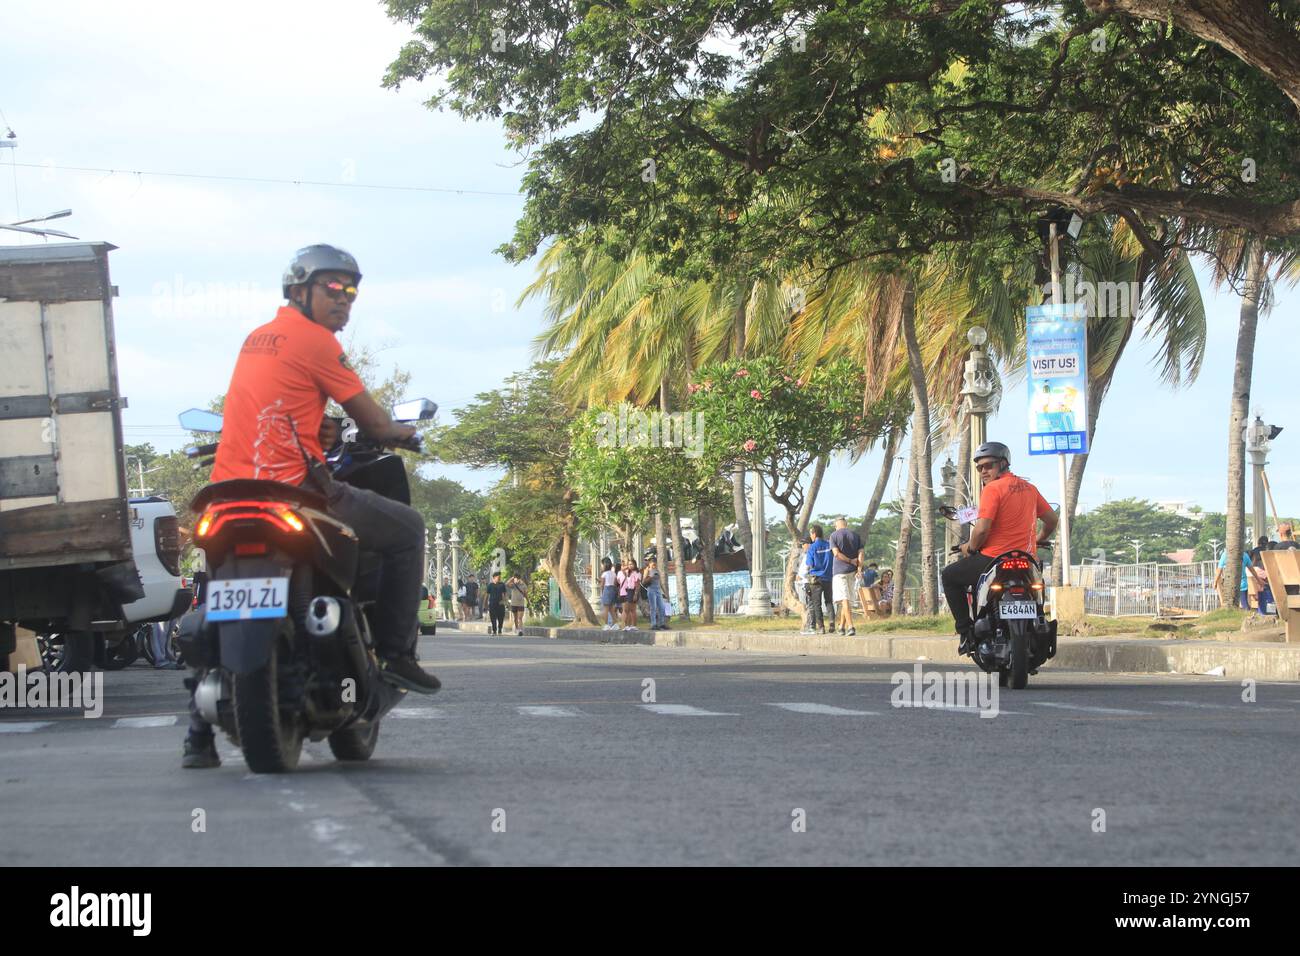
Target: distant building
(1182,556)
(1181,508)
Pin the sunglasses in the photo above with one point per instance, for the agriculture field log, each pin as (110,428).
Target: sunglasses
(339,290)
(985,465)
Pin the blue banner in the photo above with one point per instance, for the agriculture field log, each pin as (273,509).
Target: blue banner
(1057,364)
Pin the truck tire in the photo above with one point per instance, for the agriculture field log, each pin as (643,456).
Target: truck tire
(269,735)
(76,654)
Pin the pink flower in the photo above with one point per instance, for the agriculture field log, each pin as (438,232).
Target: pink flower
(756,394)
(799,383)
(693,388)
(742,373)
(751,445)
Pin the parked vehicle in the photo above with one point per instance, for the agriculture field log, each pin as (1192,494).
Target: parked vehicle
(81,564)
(1012,633)
(283,640)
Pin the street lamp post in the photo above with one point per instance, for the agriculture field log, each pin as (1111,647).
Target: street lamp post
(979,386)
(760,599)
(439,557)
(455,554)
(1259,439)
(1214,549)
(948,475)
(1137,551)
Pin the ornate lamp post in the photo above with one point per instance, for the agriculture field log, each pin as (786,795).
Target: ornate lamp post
(455,554)
(1259,439)
(948,475)
(760,599)
(979,387)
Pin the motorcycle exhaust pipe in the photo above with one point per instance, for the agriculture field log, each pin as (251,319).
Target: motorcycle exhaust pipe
(329,617)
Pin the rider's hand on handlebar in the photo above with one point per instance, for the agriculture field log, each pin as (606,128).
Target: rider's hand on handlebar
(403,436)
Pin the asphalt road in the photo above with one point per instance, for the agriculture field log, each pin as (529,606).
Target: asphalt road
(541,752)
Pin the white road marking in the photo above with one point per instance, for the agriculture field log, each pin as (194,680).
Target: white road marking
(544,711)
(802,708)
(961,710)
(682,710)
(416,713)
(162,720)
(1242,706)
(25,727)
(1092,710)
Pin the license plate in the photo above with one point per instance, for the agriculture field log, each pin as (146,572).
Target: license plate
(1018,610)
(245,599)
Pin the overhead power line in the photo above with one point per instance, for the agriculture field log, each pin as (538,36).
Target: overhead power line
(270,180)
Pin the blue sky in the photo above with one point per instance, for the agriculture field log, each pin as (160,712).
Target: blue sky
(285,91)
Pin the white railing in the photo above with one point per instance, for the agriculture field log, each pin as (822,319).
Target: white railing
(1146,590)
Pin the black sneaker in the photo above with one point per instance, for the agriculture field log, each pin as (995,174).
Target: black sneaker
(406,672)
(967,644)
(200,753)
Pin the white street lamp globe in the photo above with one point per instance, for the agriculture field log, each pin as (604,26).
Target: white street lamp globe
(977,336)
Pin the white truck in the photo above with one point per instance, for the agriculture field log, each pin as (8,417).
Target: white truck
(77,556)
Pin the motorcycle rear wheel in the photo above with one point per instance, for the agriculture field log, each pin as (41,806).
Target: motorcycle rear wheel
(1019,677)
(354,743)
(270,735)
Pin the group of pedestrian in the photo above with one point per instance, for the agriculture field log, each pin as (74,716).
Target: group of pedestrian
(622,589)
(831,572)
(1255,592)
(513,592)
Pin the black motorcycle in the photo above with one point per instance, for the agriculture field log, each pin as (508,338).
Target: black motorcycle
(1012,633)
(283,643)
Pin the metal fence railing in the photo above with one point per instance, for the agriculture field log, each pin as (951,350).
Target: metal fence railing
(1147,590)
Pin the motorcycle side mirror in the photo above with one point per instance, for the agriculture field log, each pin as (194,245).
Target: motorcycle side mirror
(416,410)
(197,420)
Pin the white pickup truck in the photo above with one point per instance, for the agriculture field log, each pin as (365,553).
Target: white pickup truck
(77,556)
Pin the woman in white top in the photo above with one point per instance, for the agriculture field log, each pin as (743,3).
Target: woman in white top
(608,592)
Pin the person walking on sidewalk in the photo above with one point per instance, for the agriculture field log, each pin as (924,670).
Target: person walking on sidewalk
(846,549)
(496,598)
(654,595)
(629,584)
(608,593)
(820,564)
(517,592)
(445,594)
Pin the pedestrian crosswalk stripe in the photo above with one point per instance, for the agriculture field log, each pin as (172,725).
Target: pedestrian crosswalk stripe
(160,720)
(682,710)
(966,709)
(416,713)
(542,711)
(804,708)
(1092,710)
(23,727)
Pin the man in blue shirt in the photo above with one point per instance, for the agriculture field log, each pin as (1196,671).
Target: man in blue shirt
(820,562)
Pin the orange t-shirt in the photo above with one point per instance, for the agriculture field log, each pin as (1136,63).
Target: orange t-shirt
(1014,506)
(285,373)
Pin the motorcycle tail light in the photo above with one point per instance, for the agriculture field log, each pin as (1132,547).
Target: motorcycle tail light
(1016,564)
(280,514)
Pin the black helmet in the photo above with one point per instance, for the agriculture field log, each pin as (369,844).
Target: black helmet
(993,449)
(309,260)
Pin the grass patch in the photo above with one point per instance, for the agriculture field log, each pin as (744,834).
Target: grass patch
(549,621)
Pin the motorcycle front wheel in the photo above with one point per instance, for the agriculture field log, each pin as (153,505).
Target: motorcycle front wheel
(270,728)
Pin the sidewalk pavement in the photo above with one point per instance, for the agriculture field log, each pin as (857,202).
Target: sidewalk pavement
(1238,659)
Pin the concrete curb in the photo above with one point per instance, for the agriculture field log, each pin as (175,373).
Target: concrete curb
(1258,660)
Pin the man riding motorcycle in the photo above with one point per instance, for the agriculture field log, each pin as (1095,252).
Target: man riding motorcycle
(1010,509)
(286,372)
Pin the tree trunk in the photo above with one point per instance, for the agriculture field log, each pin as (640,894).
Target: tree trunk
(708,537)
(905,530)
(924,462)
(1238,418)
(882,482)
(797,525)
(683,602)
(562,568)
(740,504)
(660,550)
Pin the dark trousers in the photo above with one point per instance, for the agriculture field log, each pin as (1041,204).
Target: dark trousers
(396,532)
(957,577)
(819,593)
(497,615)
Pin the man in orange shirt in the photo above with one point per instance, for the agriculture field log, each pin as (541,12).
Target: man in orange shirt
(1010,509)
(286,372)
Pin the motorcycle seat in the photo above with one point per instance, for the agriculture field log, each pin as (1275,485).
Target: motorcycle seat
(238,489)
